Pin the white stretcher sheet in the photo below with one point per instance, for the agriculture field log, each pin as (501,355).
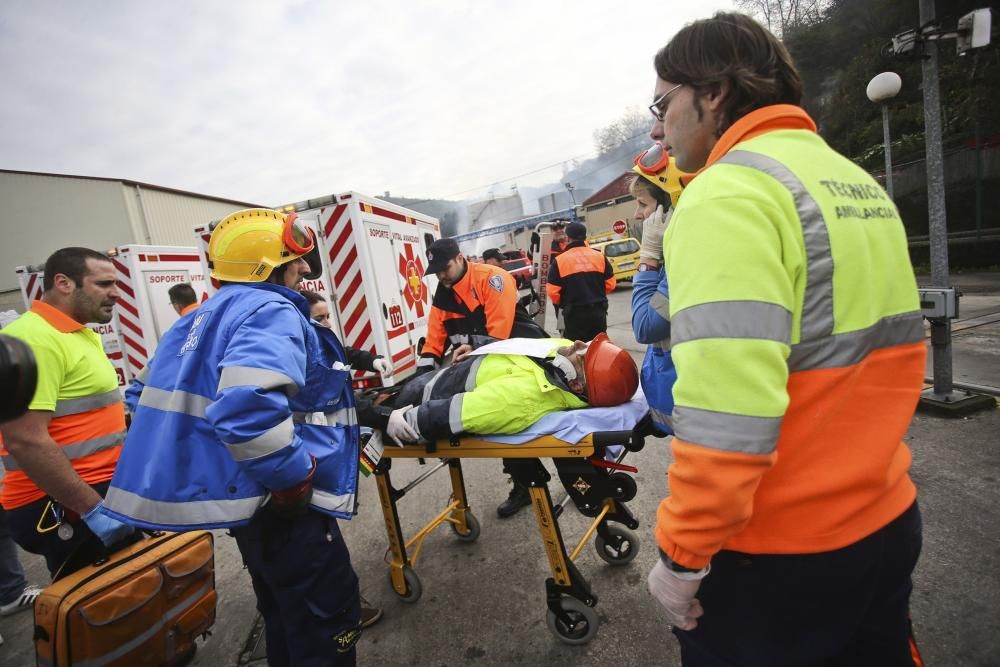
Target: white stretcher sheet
(574,425)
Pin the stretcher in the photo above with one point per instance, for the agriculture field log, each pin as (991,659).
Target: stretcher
(597,483)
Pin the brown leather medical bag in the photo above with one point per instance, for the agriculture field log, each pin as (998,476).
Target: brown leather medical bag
(143,605)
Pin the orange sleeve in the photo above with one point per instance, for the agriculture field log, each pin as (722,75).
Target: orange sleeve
(610,282)
(711,498)
(554,285)
(555,293)
(499,305)
(436,337)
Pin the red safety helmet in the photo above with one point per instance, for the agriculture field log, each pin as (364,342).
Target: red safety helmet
(612,376)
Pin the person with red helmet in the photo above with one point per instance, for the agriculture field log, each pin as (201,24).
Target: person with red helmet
(499,390)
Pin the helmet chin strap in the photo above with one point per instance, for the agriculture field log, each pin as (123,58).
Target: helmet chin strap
(565,365)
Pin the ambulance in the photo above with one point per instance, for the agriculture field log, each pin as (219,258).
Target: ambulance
(143,311)
(373,257)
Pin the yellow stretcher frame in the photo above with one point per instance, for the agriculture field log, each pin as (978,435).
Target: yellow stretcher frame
(596,492)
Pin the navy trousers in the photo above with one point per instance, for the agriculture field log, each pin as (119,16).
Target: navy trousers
(23,524)
(843,607)
(306,588)
(586,321)
(12,581)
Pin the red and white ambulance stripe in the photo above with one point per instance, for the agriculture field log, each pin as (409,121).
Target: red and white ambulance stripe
(204,236)
(34,287)
(345,278)
(130,325)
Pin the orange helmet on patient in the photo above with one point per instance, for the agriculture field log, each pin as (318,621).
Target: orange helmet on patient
(246,246)
(612,376)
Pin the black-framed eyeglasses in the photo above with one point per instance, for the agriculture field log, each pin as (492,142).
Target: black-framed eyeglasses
(655,109)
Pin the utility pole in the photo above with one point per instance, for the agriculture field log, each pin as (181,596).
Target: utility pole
(943,396)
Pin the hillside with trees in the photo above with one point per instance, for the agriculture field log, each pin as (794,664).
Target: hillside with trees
(839,45)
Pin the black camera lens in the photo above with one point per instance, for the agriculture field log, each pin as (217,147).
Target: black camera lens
(18,377)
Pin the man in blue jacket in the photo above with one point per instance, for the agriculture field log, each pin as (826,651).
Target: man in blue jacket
(219,438)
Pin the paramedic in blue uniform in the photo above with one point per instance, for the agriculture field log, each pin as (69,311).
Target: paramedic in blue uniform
(220,438)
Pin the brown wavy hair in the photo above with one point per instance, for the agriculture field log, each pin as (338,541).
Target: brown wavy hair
(735,49)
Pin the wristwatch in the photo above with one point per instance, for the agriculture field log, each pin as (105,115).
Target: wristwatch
(647,267)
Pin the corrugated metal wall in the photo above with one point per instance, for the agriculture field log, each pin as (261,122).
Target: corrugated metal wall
(41,213)
(167,218)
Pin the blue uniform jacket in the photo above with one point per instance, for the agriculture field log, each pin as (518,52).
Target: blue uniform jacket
(220,420)
(651,326)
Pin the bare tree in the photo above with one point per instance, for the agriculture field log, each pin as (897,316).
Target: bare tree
(779,15)
(632,124)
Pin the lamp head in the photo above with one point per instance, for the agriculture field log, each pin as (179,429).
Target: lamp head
(884,87)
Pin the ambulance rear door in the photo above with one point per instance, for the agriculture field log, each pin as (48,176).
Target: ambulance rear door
(397,240)
(389,303)
(146,274)
(203,233)
(322,284)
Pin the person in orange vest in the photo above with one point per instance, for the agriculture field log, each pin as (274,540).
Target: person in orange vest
(791,528)
(62,453)
(580,279)
(472,301)
(559,240)
(182,298)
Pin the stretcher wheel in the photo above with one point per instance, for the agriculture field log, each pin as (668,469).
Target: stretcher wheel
(583,618)
(625,486)
(473,532)
(622,548)
(413,588)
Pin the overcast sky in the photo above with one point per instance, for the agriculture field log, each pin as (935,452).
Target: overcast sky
(273,102)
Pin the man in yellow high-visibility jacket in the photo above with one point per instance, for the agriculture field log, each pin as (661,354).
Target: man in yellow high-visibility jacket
(791,528)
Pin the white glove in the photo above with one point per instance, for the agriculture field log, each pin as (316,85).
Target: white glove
(399,428)
(675,591)
(652,235)
(382,366)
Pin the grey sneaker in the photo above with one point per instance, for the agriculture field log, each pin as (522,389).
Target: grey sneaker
(23,602)
(369,615)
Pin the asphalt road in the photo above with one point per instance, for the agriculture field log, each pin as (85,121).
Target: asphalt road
(484,603)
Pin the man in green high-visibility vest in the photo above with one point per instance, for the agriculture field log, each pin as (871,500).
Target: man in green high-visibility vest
(791,528)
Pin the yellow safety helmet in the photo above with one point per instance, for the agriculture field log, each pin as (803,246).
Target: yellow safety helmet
(656,166)
(246,246)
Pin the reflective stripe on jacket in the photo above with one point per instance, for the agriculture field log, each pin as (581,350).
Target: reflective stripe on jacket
(580,276)
(78,384)
(483,303)
(799,348)
(220,421)
(492,393)
(651,326)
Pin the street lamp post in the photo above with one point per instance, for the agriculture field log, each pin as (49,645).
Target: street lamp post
(569,189)
(882,88)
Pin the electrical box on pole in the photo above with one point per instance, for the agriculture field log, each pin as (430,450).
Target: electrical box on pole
(974,30)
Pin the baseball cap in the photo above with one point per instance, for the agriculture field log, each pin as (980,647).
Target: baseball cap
(439,254)
(576,231)
(493,253)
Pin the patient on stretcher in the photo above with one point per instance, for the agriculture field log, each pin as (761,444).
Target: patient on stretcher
(505,387)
